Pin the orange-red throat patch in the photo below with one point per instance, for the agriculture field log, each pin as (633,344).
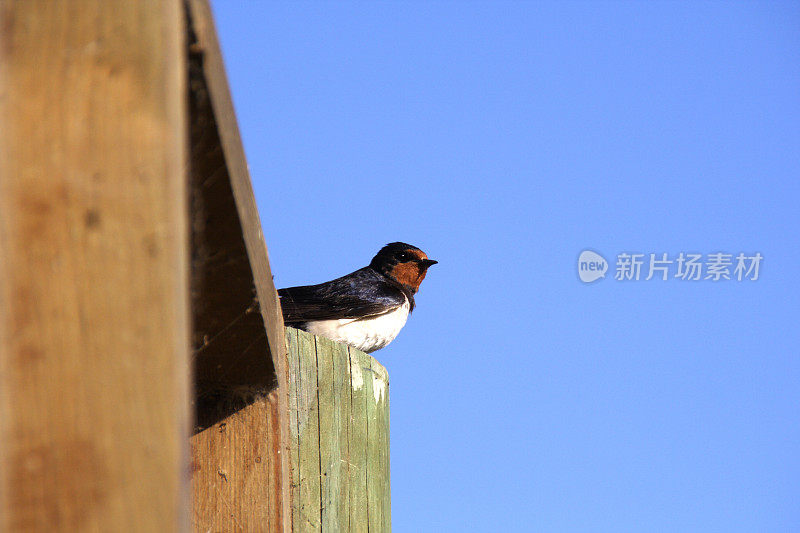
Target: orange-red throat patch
(411,273)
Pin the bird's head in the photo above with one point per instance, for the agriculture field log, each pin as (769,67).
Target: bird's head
(403,263)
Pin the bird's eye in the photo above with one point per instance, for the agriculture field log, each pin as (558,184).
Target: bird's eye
(403,257)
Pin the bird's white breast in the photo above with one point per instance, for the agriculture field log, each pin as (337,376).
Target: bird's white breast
(366,334)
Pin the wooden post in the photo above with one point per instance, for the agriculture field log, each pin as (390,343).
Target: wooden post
(339,418)
(94,317)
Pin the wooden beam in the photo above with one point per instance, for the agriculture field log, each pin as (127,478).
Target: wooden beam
(94,319)
(242,423)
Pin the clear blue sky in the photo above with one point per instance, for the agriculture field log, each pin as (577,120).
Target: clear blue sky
(503,139)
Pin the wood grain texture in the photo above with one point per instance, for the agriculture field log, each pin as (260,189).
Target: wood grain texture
(359,440)
(308,436)
(94,319)
(340,437)
(239,476)
(293,365)
(378,493)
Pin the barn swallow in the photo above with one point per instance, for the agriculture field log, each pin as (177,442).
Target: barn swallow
(365,309)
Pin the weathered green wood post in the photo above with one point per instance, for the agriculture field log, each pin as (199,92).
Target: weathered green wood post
(339,417)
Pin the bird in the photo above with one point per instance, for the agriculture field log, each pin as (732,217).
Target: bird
(365,309)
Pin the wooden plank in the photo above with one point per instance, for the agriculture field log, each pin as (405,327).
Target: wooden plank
(293,360)
(359,440)
(332,370)
(374,388)
(339,478)
(243,461)
(379,490)
(328,443)
(308,431)
(94,321)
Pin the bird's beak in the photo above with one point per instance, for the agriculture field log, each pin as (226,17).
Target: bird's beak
(427,262)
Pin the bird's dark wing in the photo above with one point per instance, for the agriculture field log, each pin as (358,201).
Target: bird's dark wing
(357,295)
